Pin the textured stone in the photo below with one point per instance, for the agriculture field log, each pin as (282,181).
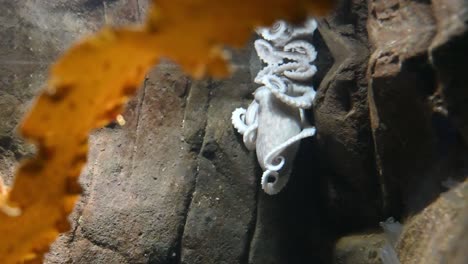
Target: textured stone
(151,182)
(271,235)
(121,12)
(438,233)
(221,214)
(359,249)
(195,115)
(418,144)
(342,119)
(400,79)
(449,57)
(29,32)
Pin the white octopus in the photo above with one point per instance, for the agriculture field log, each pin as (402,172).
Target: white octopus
(274,122)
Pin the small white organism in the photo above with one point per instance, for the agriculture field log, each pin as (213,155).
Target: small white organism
(392,230)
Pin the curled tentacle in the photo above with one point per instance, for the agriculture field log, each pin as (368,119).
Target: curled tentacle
(274,155)
(245,121)
(274,163)
(298,89)
(303,102)
(300,50)
(278,30)
(280,33)
(268,70)
(250,136)
(238,120)
(275,186)
(242,119)
(282,89)
(297,71)
(267,53)
(252,113)
(308,29)
(293,70)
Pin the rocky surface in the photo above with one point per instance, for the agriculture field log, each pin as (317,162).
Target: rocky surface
(341,116)
(360,249)
(176,185)
(401,79)
(221,214)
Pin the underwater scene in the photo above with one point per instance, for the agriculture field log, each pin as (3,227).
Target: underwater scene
(234,131)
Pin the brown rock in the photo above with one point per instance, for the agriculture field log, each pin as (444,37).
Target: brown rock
(438,234)
(399,77)
(342,119)
(357,249)
(221,214)
(449,56)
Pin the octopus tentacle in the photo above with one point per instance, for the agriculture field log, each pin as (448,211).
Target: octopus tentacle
(252,113)
(280,160)
(297,71)
(280,32)
(299,50)
(238,120)
(245,121)
(250,136)
(293,70)
(276,185)
(280,90)
(274,155)
(268,70)
(308,29)
(267,53)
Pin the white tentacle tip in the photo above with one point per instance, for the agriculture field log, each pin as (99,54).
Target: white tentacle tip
(269,182)
(238,120)
(275,164)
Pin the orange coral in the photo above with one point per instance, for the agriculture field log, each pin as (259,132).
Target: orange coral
(88,88)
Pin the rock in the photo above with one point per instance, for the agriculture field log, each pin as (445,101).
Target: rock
(271,237)
(400,79)
(418,147)
(222,212)
(357,249)
(10,108)
(449,57)
(31,35)
(341,116)
(194,122)
(438,234)
(121,12)
(152,182)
